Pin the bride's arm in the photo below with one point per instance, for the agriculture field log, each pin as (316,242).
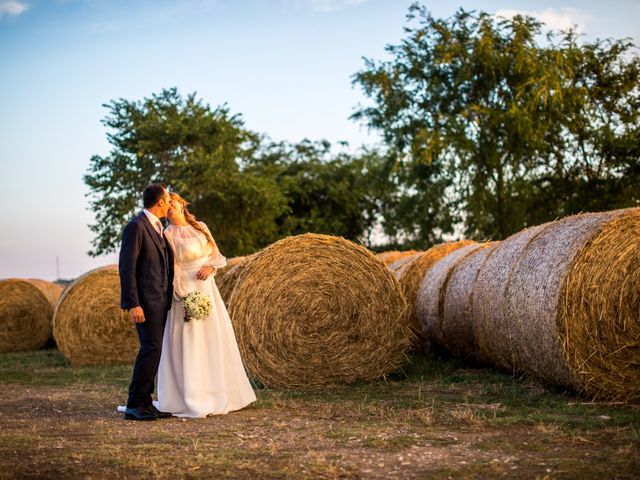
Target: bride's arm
(216,259)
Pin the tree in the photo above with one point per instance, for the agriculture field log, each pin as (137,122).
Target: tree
(488,128)
(197,151)
(326,193)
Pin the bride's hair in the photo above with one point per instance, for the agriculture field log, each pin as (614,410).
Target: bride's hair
(191,219)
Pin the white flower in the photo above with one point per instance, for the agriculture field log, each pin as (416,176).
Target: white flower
(196,305)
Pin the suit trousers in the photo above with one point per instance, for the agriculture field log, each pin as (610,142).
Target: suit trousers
(145,369)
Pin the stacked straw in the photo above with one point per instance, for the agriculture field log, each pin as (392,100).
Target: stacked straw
(557,301)
(313,310)
(399,266)
(411,278)
(391,256)
(456,318)
(430,299)
(26,311)
(89,326)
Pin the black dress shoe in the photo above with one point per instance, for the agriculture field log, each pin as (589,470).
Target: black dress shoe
(139,413)
(152,408)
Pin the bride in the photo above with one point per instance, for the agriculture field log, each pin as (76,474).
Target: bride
(201,372)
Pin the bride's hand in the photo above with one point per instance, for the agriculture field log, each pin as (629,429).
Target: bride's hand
(205,272)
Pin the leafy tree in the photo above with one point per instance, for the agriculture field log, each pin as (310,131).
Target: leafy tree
(492,131)
(195,149)
(326,192)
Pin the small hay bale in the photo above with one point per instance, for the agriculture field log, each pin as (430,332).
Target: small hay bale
(399,266)
(227,281)
(457,316)
(89,326)
(412,276)
(26,310)
(391,256)
(430,298)
(314,310)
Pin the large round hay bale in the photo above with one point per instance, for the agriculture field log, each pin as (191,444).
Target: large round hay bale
(313,310)
(560,302)
(392,255)
(26,310)
(430,298)
(399,266)
(89,326)
(598,310)
(412,276)
(457,318)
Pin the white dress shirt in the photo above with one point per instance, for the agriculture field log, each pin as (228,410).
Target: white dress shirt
(155,221)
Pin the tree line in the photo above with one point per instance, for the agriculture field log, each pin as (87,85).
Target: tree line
(489,126)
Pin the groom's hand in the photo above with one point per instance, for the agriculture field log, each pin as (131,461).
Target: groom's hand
(136,314)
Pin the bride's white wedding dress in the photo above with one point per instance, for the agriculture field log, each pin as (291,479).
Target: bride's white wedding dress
(201,371)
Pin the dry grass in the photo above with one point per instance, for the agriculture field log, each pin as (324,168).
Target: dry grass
(391,256)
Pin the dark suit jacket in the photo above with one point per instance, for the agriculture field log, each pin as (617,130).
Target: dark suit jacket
(146,275)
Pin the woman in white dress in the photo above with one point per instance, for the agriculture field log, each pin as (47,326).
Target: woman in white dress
(201,371)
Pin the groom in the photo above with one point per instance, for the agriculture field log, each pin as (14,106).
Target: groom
(146,285)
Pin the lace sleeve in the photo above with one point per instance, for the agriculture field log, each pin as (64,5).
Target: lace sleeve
(216,259)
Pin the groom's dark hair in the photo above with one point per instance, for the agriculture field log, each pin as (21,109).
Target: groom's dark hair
(152,193)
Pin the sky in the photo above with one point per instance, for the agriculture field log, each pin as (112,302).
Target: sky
(284,65)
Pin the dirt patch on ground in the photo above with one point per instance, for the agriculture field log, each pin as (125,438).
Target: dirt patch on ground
(74,431)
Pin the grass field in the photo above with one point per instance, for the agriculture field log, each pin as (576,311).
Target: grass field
(438,419)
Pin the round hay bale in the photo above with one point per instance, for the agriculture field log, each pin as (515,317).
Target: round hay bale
(26,310)
(491,321)
(598,309)
(457,318)
(391,256)
(412,276)
(49,289)
(89,326)
(313,310)
(228,280)
(430,298)
(399,266)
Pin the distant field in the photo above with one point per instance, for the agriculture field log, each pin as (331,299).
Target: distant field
(439,419)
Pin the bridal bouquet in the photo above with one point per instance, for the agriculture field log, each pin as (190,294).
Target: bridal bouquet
(196,305)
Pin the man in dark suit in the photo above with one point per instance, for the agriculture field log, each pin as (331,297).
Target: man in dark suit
(146,284)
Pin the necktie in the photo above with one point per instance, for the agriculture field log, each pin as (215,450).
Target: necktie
(159,227)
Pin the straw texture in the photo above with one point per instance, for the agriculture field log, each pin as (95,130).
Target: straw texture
(89,326)
(458,317)
(313,310)
(430,298)
(26,310)
(598,312)
(391,256)
(412,276)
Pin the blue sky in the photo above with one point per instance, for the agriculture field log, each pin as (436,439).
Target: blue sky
(284,65)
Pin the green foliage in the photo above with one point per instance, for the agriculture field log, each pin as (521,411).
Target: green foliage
(327,193)
(250,191)
(493,131)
